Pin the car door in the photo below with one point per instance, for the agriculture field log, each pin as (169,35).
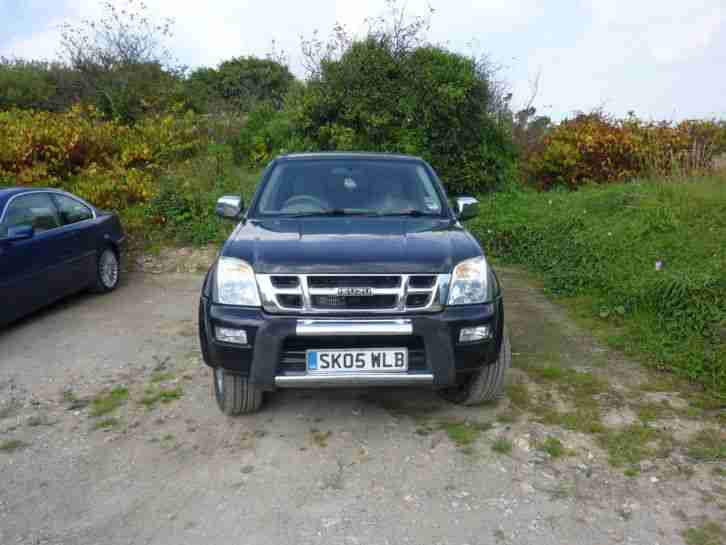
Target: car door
(31,271)
(78,236)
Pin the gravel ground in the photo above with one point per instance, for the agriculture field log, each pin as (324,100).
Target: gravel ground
(334,467)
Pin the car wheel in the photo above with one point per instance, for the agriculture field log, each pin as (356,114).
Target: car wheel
(487,384)
(235,395)
(108,271)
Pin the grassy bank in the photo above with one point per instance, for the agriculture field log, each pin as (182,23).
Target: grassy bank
(181,211)
(644,262)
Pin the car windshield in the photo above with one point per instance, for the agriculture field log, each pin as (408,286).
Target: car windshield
(355,187)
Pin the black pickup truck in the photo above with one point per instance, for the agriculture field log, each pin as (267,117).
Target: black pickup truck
(351,270)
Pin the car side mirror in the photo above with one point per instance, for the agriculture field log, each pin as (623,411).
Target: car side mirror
(467,208)
(19,232)
(229,207)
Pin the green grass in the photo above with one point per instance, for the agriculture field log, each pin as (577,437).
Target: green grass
(161,376)
(509,417)
(709,533)
(502,446)
(553,447)
(585,419)
(599,246)
(463,433)
(11,445)
(519,396)
(186,198)
(320,438)
(575,383)
(707,445)
(153,396)
(629,445)
(106,423)
(109,401)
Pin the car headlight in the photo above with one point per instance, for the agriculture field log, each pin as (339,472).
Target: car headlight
(236,284)
(470,282)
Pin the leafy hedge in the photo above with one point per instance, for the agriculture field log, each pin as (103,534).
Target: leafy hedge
(597,148)
(110,164)
(601,246)
(182,210)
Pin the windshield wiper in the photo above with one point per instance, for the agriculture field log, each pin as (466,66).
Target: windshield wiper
(332,212)
(413,213)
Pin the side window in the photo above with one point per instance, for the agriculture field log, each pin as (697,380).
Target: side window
(71,210)
(36,209)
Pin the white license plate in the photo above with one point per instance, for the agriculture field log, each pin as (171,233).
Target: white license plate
(380,360)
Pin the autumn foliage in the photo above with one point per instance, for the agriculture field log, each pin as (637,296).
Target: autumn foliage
(596,148)
(110,164)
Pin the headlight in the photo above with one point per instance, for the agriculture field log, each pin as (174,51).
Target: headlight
(469,282)
(236,283)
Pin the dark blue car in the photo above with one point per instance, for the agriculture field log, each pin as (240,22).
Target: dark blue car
(53,244)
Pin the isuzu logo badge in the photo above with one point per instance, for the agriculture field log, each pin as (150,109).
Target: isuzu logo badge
(355,292)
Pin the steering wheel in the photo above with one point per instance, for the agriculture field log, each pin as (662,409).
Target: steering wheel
(298,204)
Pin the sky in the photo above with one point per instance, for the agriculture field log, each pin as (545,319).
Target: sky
(662,59)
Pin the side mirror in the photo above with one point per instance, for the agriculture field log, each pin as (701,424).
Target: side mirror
(229,207)
(19,232)
(467,208)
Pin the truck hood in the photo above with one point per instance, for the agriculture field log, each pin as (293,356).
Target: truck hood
(351,245)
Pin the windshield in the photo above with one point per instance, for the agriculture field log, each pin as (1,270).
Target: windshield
(355,187)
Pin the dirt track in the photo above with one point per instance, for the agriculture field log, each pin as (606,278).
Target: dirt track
(347,467)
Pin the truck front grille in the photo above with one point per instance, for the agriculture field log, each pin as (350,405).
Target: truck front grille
(354,302)
(353,293)
(354,281)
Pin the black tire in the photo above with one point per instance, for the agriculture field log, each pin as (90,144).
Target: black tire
(488,383)
(108,271)
(235,395)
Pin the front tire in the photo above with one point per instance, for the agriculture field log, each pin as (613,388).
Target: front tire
(108,271)
(487,384)
(235,395)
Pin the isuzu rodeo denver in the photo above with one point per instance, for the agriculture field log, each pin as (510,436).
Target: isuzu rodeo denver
(351,270)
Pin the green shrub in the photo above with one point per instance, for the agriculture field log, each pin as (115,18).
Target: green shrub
(240,84)
(183,207)
(601,245)
(39,85)
(266,133)
(423,101)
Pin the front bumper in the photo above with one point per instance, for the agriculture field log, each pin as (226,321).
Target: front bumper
(271,359)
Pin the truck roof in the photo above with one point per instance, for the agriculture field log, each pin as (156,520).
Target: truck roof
(347,155)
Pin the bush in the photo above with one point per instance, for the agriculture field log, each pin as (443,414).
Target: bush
(38,85)
(132,91)
(600,246)
(183,207)
(599,149)
(125,92)
(240,84)
(266,133)
(110,164)
(423,101)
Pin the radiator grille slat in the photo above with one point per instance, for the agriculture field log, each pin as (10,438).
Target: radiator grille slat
(352,293)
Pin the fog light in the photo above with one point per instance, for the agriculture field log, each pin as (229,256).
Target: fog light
(473,334)
(229,335)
